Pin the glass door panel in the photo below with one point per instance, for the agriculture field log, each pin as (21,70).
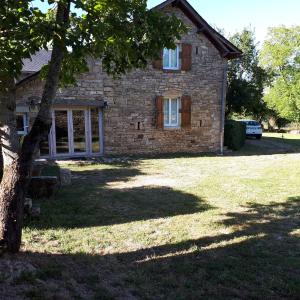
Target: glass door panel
(61,132)
(74,132)
(79,138)
(44,146)
(95,130)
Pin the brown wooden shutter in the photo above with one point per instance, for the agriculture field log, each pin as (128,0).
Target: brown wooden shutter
(186,60)
(186,112)
(159,105)
(158,63)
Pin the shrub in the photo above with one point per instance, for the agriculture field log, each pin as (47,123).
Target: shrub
(235,134)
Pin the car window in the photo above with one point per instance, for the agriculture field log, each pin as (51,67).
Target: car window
(253,123)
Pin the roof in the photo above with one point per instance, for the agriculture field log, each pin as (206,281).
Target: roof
(37,61)
(33,66)
(225,47)
(29,76)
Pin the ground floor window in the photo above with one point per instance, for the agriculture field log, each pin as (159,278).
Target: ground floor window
(171,112)
(74,132)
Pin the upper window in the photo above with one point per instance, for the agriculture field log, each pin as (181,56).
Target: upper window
(171,112)
(22,124)
(171,58)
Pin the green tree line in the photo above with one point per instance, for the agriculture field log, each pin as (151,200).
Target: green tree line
(265,83)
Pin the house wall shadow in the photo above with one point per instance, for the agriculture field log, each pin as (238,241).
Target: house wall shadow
(259,259)
(96,203)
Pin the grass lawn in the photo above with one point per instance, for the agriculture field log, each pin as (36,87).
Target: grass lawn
(290,139)
(207,227)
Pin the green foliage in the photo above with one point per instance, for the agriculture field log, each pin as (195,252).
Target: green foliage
(124,34)
(235,134)
(246,79)
(20,28)
(281,57)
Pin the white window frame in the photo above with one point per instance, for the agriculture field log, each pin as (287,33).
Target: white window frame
(170,58)
(25,126)
(71,151)
(170,125)
(88,136)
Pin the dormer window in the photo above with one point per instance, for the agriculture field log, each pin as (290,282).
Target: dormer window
(171,58)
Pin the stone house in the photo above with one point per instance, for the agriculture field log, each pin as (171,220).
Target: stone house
(174,105)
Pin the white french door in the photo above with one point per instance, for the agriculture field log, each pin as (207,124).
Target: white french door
(69,132)
(74,132)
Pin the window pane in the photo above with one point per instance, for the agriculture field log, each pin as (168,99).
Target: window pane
(20,123)
(79,131)
(61,130)
(174,110)
(173,58)
(95,130)
(166,112)
(166,58)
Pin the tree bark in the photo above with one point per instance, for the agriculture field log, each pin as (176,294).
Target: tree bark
(1,162)
(18,162)
(11,187)
(42,123)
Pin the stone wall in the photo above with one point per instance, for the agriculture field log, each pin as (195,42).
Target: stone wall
(131,102)
(89,86)
(129,120)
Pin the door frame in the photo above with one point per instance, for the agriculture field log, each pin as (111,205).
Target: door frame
(88,133)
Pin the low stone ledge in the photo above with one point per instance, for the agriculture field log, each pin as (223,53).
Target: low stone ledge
(65,177)
(38,166)
(42,186)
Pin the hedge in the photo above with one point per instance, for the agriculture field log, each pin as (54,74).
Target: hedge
(235,134)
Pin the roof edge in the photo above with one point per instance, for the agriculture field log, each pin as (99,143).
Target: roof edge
(28,78)
(225,47)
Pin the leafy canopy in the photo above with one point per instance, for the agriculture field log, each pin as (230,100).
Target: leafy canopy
(20,25)
(124,34)
(281,57)
(246,79)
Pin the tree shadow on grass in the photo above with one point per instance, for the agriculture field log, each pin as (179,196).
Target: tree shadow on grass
(91,201)
(259,258)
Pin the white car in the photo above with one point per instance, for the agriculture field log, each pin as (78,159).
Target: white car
(253,128)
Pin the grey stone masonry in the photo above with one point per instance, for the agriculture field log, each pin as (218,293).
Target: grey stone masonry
(130,118)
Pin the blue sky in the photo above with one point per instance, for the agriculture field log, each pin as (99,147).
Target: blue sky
(233,15)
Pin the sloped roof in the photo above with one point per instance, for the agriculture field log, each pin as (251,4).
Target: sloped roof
(225,47)
(37,61)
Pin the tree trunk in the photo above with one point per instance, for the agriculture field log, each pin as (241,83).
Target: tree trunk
(1,162)
(18,163)
(42,123)
(11,187)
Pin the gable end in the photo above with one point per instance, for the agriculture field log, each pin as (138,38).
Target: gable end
(225,47)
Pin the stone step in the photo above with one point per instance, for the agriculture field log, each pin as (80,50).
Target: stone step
(43,186)
(37,167)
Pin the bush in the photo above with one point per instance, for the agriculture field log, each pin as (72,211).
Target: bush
(235,134)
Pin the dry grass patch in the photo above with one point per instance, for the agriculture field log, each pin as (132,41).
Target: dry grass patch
(206,227)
